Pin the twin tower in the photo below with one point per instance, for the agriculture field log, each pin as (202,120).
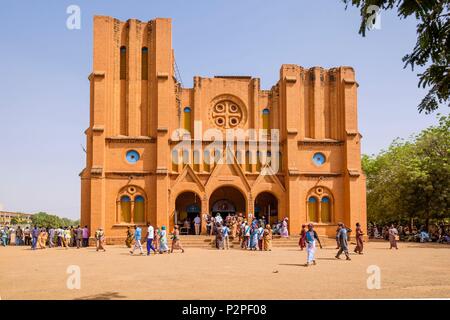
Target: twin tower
(137,104)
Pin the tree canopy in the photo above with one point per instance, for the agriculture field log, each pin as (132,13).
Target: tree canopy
(432,49)
(411,179)
(42,219)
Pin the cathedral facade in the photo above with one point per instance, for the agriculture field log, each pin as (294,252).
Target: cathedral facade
(158,152)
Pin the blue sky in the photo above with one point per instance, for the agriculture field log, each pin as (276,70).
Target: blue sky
(44,91)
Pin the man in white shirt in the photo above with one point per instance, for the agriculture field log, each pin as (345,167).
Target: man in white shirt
(197,222)
(150,236)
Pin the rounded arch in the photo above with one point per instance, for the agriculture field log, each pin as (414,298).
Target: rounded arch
(320,205)
(187,205)
(227,199)
(267,205)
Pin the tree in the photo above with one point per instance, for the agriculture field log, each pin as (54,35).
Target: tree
(412,178)
(43,219)
(432,49)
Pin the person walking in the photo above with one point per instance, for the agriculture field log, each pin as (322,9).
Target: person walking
(129,238)
(393,237)
(79,237)
(4,234)
(100,239)
(42,239)
(311,238)
(67,237)
(246,236)
(163,246)
(150,237)
(302,239)
(359,239)
(226,237)
(27,236)
(343,241)
(218,231)
(254,237)
(284,233)
(197,224)
(156,238)
(176,242)
(260,236)
(19,236)
(337,237)
(85,236)
(137,240)
(268,238)
(51,237)
(34,237)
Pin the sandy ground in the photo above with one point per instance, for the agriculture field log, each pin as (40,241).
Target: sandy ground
(414,271)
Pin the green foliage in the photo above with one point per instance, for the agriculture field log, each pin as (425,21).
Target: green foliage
(412,178)
(432,49)
(43,219)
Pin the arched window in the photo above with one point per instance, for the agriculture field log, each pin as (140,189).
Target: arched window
(144,64)
(139,209)
(187,118)
(125,209)
(123,63)
(325,211)
(266,120)
(312,209)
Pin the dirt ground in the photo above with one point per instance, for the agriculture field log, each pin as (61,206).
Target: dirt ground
(414,271)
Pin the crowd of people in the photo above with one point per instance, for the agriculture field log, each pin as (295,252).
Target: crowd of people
(42,237)
(256,234)
(434,233)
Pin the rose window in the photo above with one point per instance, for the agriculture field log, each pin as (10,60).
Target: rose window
(226,114)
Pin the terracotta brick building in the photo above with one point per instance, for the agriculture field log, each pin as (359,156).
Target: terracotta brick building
(137,104)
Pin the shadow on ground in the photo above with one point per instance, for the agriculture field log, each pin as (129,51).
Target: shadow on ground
(103,296)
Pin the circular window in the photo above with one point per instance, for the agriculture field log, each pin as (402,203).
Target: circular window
(319,158)
(227,114)
(132,156)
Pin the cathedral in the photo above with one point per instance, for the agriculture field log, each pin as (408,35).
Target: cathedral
(161,153)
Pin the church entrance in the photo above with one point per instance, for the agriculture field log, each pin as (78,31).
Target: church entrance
(227,201)
(187,206)
(266,204)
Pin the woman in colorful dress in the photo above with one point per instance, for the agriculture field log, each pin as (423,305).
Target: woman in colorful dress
(284,228)
(302,240)
(42,239)
(163,247)
(234,226)
(176,242)
(129,238)
(359,239)
(267,238)
(253,237)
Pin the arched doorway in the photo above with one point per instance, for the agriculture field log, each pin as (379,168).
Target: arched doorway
(187,206)
(266,204)
(227,200)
